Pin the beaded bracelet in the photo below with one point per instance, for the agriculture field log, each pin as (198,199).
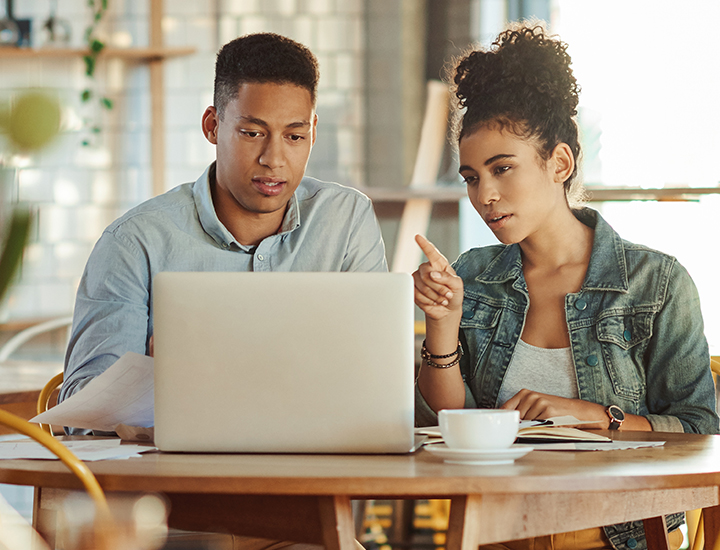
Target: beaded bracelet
(428,357)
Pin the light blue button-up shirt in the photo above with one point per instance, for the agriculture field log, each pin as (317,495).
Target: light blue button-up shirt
(327,227)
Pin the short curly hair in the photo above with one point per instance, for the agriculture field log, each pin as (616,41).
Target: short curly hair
(263,57)
(522,83)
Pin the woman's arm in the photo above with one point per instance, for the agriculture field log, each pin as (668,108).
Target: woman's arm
(535,405)
(439,293)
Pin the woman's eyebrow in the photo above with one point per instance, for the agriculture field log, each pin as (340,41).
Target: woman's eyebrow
(488,162)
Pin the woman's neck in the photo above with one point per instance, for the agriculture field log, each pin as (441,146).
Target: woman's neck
(564,241)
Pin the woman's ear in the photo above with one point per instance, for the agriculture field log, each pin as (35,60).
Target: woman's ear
(563,162)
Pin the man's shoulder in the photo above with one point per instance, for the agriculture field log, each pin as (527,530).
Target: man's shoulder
(315,189)
(157,208)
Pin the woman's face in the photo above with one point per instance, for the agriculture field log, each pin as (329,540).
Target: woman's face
(512,188)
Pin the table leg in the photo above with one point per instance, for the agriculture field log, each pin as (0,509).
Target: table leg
(711,521)
(656,533)
(463,529)
(336,520)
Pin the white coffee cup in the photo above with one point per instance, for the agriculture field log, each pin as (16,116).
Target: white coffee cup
(479,429)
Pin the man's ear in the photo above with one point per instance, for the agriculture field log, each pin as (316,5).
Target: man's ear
(314,129)
(563,161)
(210,121)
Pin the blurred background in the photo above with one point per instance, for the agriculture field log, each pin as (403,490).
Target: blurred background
(133,78)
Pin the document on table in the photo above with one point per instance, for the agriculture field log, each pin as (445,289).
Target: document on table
(87,450)
(123,394)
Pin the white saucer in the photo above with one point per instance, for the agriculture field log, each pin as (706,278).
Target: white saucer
(473,456)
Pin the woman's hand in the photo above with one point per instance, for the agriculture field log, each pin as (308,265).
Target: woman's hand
(534,405)
(438,290)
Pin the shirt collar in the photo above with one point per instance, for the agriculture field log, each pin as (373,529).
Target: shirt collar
(607,269)
(212,225)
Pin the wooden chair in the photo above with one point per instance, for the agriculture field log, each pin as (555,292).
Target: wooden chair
(694,518)
(43,403)
(104,523)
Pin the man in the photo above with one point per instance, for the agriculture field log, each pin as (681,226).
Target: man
(252,209)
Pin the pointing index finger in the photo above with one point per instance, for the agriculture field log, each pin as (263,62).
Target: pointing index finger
(436,259)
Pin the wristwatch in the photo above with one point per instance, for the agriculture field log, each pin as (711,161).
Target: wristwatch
(617,416)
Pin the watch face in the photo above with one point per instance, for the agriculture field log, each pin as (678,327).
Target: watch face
(616,412)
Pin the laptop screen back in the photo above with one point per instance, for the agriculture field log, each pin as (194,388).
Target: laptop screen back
(284,362)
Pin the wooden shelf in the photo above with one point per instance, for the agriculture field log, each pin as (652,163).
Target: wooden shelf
(143,55)
(597,193)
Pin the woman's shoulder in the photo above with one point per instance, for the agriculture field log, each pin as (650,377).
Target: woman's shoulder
(477,260)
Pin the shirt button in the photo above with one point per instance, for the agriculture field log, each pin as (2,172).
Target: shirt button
(592,360)
(580,304)
(260,257)
(467,314)
(632,543)
(627,335)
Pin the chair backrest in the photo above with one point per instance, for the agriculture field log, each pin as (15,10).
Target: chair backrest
(26,334)
(43,403)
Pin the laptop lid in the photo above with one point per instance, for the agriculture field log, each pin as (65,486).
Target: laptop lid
(284,362)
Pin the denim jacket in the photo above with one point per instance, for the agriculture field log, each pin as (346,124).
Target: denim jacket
(636,337)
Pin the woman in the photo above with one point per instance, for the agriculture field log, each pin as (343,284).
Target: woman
(564,317)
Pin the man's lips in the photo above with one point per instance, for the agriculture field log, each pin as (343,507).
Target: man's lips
(268,185)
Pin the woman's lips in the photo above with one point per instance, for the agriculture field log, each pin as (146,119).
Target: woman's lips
(497,221)
(269,186)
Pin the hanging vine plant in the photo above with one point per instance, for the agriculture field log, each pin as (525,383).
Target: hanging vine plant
(95,46)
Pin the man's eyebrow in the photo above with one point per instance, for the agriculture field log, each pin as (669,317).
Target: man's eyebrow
(261,122)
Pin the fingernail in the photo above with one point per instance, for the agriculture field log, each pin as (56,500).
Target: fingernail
(449,295)
(444,302)
(434,275)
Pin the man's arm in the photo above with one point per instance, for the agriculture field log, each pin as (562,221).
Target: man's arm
(111,314)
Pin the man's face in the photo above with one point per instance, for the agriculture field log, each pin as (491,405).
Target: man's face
(263,144)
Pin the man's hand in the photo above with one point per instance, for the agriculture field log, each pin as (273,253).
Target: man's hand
(438,290)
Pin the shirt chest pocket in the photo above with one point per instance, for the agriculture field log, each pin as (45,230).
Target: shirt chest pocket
(623,340)
(626,331)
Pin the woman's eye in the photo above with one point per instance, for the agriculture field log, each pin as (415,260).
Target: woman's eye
(470,180)
(501,170)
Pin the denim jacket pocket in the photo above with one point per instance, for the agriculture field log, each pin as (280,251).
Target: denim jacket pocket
(623,338)
(478,323)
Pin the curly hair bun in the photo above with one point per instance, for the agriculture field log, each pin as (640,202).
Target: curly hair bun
(524,75)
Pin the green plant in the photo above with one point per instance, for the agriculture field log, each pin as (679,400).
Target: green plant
(95,46)
(13,246)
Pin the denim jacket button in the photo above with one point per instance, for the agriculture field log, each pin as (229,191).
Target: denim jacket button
(632,543)
(627,335)
(592,360)
(580,304)
(467,314)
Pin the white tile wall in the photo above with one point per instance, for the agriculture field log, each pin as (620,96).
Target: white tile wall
(78,190)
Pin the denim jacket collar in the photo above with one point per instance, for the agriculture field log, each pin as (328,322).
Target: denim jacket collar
(607,269)
(212,224)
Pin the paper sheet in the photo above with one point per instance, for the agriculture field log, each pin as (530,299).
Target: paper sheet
(589,446)
(123,394)
(87,450)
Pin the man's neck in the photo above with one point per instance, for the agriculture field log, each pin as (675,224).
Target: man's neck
(248,228)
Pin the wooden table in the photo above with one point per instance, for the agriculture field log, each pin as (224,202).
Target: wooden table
(307,497)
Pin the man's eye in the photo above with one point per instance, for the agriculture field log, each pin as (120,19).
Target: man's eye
(296,137)
(250,133)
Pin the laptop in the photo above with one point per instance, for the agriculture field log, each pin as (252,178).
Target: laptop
(284,362)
